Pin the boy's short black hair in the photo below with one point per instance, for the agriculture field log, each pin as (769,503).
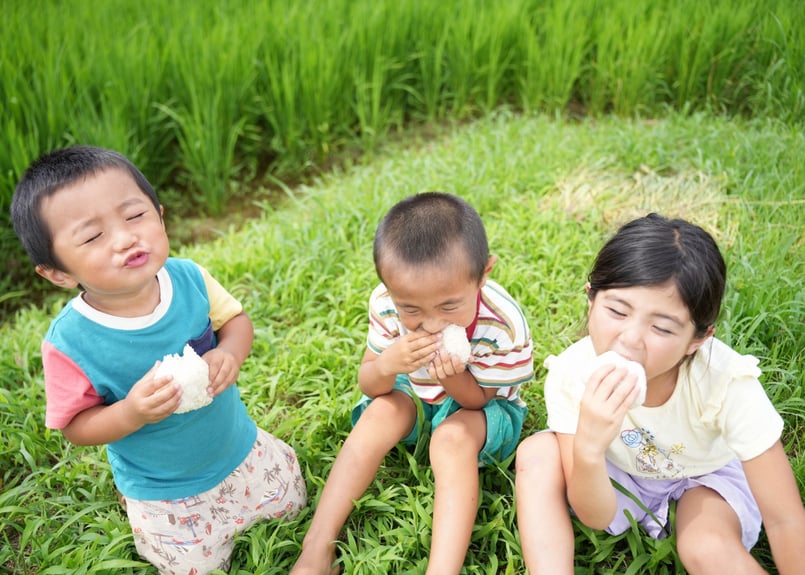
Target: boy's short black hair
(46,176)
(423,228)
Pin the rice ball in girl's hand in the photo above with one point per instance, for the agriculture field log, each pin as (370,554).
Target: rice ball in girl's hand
(614,358)
(192,374)
(455,342)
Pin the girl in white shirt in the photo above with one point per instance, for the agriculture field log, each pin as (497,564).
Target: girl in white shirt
(707,436)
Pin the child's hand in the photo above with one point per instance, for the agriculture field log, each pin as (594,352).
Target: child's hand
(607,397)
(410,352)
(224,369)
(152,399)
(445,365)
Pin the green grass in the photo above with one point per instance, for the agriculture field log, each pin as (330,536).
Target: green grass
(549,193)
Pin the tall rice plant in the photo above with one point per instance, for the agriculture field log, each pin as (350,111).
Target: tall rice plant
(377,68)
(196,92)
(211,76)
(551,63)
(714,61)
(429,95)
(781,91)
(627,58)
(299,86)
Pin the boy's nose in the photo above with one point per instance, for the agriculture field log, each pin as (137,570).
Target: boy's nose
(124,240)
(433,325)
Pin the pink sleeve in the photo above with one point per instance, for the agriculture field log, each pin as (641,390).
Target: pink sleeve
(68,391)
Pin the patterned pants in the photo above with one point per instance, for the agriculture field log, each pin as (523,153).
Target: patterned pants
(195,535)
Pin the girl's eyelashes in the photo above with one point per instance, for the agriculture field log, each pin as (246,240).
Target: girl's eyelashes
(619,314)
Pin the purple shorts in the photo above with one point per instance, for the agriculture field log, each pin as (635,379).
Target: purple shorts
(656,494)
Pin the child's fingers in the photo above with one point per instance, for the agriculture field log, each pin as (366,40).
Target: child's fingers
(611,388)
(622,387)
(148,385)
(450,364)
(156,382)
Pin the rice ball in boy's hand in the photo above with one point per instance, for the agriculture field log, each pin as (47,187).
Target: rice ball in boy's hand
(455,342)
(192,374)
(614,358)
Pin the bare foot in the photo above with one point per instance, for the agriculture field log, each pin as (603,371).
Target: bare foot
(309,563)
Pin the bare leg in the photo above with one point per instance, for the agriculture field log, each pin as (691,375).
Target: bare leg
(387,420)
(454,450)
(709,536)
(546,532)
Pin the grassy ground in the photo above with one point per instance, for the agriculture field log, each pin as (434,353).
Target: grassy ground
(549,192)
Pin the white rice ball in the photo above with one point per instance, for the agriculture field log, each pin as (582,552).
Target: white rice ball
(192,374)
(614,358)
(454,342)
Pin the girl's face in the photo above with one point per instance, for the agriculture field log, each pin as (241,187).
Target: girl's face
(647,324)
(110,239)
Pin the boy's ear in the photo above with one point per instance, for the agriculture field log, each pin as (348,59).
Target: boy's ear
(56,277)
(488,269)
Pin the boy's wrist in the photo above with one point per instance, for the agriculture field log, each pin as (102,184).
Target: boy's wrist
(129,416)
(381,368)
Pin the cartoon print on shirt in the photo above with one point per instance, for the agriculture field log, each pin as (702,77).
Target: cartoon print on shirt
(650,458)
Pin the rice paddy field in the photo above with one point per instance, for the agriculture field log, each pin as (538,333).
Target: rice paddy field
(557,120)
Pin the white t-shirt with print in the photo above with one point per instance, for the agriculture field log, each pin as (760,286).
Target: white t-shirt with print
(717,412)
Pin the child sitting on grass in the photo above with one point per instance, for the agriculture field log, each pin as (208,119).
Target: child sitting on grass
(707,435)
(90,220)
(432,257)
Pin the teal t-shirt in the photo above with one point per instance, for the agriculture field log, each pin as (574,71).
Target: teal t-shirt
(184,454)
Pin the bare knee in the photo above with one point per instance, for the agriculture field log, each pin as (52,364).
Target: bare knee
(460,436)
(706,552)
(709,535)
(394,405)
(385,421)
(539,452)
(449,438)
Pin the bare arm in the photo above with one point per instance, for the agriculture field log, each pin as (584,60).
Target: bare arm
(589,490)
(410,352)
(602,409)
(775,489)
(459,383)
(373,380)
(149,400)
(235,340)
(466,391)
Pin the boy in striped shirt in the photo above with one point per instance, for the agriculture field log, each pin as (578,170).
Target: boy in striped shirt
(432,257)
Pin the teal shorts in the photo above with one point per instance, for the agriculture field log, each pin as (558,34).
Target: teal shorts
(504,422)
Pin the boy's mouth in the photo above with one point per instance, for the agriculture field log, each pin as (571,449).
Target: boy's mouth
(136,260)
